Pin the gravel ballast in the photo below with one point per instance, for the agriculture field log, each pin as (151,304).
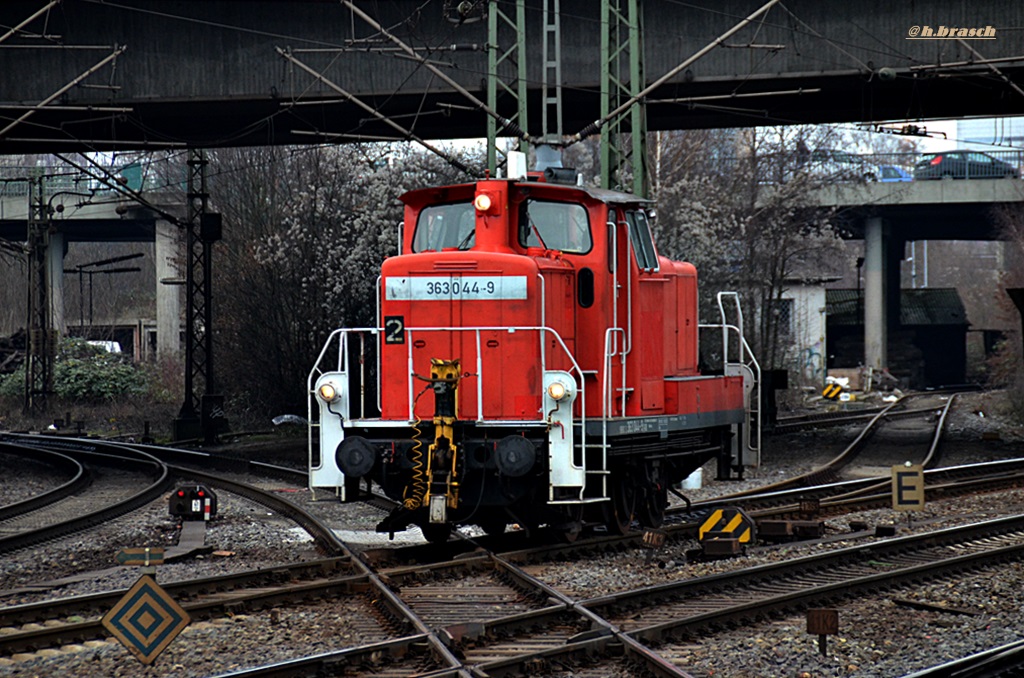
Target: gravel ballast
(878,637)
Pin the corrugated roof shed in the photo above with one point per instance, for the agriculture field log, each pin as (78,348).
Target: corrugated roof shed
(917,307)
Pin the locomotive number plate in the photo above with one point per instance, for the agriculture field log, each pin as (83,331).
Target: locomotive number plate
(394,329)
(421,288)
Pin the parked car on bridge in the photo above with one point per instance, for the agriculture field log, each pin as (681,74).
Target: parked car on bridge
(841,166)
(963,165)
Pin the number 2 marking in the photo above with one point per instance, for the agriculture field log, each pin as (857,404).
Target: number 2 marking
(394,329)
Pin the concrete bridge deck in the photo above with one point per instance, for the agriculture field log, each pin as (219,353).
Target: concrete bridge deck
(86,75)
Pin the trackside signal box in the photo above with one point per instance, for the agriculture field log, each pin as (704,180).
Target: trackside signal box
(193,502)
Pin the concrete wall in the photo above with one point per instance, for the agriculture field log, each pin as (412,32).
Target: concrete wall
(806,356)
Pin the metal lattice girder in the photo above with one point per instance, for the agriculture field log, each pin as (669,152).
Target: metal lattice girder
(42,338)
(198,316)
(551,87)
(506,71)
(623,146)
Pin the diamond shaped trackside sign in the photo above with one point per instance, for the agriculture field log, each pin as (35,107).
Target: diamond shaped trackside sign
(146,620)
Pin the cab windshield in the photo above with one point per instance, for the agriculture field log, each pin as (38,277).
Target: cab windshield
(441,227)
(558,226)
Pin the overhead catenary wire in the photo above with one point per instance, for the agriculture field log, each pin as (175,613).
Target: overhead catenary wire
(110,181)
(508,126)
(595,127)
(406,134)
(85,74)
(46,8)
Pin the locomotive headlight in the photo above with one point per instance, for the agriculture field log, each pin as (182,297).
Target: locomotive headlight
(482,202)
(327,392)
(557,390)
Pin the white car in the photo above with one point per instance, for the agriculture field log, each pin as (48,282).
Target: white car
(839,166)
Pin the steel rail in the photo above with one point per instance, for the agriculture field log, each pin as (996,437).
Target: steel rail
(385,598)
(224,603)
(80,478)
(601,633)
(746,612)
(829,472)
(651,660)
(754,578)
(991,472)
(596,636)
(789,571)
(1005,660)
(160,483)
(793,424)
(834,498)
(389,653)
(326,539)
(189,588)
(323,536)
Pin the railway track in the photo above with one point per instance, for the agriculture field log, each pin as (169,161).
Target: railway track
(384,606)
(202,598)
(61,464)
(500,621)
(106,488)
(505,622)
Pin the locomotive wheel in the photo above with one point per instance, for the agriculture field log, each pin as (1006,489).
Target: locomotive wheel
(436,533)
(618,513)
(571,532)
(572,528)
(651,509)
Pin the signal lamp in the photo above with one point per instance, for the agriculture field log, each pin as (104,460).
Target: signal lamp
(557,390)
(482,202)
(327,392)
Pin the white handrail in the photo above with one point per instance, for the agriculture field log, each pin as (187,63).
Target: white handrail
(342,336)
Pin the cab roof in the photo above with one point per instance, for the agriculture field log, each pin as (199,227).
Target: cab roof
(600,194)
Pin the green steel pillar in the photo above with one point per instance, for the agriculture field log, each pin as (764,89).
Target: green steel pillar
(506,73)
(624,140)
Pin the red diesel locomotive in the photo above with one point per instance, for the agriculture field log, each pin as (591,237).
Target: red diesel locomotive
(535,361)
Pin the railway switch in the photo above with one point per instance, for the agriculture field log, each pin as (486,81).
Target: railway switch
(193,502)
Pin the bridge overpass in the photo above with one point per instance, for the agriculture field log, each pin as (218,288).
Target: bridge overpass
(924,210)
(887,215)
(75,216)
(88,75)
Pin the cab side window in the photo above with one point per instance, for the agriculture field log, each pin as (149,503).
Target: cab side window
(643,241)
(555,226)
(441,227)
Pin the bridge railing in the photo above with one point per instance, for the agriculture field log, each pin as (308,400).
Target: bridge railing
(14,179)
(836,165)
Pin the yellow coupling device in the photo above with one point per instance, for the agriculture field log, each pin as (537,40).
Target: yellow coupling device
(442,455)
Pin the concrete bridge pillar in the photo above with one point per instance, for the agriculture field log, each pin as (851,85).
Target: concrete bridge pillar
(876,338)
(168,295)
(55,251)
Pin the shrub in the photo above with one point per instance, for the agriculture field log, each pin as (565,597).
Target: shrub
(86,373)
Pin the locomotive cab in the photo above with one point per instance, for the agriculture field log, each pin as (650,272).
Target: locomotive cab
(534,361)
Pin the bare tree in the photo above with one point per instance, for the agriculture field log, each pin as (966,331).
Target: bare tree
(305,233)
(739,205)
